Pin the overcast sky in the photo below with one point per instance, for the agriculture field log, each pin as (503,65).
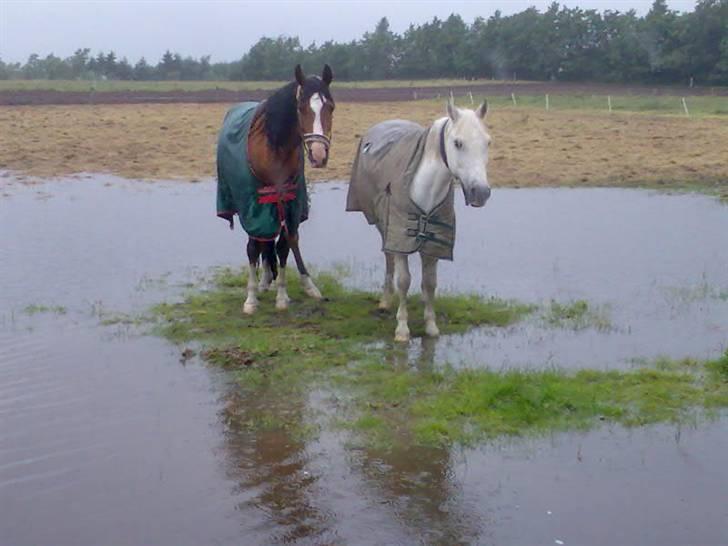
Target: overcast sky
(226,29)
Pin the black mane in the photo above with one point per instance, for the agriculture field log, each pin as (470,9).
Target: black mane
(281,111)
(281,116)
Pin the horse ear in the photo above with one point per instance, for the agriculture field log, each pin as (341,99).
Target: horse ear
(452,110)
(300,78)
(482,109)
(327,75)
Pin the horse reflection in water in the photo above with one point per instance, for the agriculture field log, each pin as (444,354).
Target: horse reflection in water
(416,482)
(268,461)
(292,496)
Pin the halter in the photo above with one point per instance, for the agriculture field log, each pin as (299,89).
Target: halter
(443,151)
(311,138)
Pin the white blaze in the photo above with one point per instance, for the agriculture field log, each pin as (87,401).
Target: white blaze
(317,103)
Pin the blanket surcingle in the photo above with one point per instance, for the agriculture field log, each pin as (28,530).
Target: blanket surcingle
(386,162)
(262,209)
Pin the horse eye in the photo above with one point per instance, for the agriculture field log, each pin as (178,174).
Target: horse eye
(458,144)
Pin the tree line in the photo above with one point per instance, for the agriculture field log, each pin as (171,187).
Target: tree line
(561,43)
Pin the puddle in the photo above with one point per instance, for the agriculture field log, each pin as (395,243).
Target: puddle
(104,433)
(655,265)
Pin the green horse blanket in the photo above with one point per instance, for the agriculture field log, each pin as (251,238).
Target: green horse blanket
(263,210)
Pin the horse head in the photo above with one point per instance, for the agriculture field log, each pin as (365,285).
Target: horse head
(466,148)
(315,113)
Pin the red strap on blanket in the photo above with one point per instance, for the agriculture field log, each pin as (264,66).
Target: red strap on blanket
(273,194)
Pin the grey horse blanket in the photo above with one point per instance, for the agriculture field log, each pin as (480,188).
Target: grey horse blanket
(386,161)
(263,210)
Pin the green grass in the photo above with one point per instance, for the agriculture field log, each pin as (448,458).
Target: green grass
(345,315)
(36,309)
(161,86)
(467,406)
(663,104)
(342,345)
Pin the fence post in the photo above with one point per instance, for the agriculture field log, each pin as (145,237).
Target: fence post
(547,101)
(609,103)
(472,102)
(513,98)
(685,106)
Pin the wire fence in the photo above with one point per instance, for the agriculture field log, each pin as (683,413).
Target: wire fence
(665,104)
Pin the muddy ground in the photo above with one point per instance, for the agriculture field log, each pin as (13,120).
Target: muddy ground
(388,94)
(531,147)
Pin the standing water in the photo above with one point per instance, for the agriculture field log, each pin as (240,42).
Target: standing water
(107,437)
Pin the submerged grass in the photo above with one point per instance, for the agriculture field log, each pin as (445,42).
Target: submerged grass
(36,309)
(343,345)
(576,315)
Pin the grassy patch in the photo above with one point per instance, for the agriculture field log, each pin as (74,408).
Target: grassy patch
(346,315)
(342,345)
(465,406)
(662,104)
(101,86)
(36,309)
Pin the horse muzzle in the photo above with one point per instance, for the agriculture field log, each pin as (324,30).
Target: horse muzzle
(318,155)
(318,149)
(476,195)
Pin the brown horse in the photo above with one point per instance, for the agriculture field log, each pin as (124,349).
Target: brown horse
(294,121)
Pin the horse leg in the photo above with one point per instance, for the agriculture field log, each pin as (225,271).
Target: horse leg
(388,289)
(429,284)
(270,268)
(251,302)
(308,286)
(282,295)
(401,268)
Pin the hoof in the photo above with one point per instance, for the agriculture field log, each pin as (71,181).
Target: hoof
(249,308)
(432,330)
(314,292)
(282,304)
(310,289)
(402,335)
(384,305)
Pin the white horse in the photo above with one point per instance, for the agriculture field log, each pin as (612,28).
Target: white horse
(455,149)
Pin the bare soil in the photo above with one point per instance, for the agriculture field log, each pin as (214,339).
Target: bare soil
(532,147)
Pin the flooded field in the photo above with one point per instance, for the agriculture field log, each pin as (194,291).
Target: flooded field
(106,435)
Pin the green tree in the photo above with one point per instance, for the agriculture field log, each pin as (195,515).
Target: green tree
(142,71)
(379,52)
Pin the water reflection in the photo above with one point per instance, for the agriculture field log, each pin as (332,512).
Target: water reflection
(267,456)
(416,482)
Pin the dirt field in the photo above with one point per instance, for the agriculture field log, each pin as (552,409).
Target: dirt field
(531,147)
